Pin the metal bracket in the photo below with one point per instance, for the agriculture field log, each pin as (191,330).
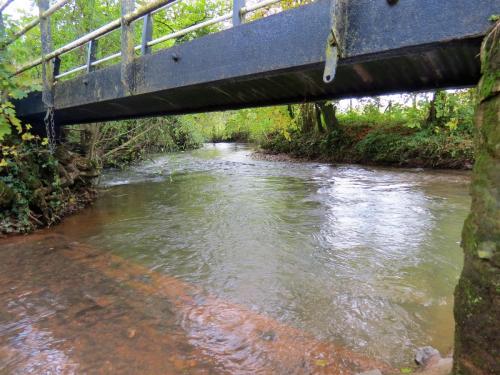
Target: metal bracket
(332,58)
(335,41)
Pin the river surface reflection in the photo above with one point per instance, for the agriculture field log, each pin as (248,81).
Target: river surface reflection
(212,262)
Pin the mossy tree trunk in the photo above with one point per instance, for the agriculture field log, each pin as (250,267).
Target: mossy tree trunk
(318,117)
(431,116)
(477,296)
(328,110)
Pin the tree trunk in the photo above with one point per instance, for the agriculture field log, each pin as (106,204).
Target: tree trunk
(432,116)
(318,116)
(477,295)
(307,117)
(319,119)
(389,107)
(88,139)
(328,109)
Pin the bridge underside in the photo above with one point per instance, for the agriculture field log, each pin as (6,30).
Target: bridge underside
(412,46)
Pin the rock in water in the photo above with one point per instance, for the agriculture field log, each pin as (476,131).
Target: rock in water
(371,372)
(424,355)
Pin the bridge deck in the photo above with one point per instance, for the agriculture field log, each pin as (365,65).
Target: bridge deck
(414,45)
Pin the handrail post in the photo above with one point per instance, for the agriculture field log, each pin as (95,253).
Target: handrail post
(2,27)
(127,47)
(147,33)
(47,65)
(57,66)
(237,16)
(91,54)
(46,40)
(48,74)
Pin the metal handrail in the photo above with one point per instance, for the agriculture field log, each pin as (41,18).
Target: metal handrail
(5,5)
(35,22)
(103,30)
(152,43)
(243,11)
(148,9)
(164,7)
(176,34)
(259,5)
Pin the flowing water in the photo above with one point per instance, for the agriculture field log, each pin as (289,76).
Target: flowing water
(212,262)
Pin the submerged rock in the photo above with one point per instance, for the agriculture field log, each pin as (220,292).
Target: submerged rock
(443,366)
(431,362)
(371,372)
(426,354)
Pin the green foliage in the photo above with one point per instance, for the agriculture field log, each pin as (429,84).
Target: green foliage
(9,89)
(406,370)
(31,178)
(186,14)
(248,125)
(26,167)
(435,133)
(31,193)
(119,143)
(454,109)
(421,148)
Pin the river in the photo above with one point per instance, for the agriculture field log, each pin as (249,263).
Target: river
(210,261)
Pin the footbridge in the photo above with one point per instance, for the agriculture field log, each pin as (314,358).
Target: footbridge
(326,49)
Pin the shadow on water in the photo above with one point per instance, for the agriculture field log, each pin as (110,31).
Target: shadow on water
(210,262)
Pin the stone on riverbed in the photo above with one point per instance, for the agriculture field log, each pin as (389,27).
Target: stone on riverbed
(371,372)
(431,362)
(424,355)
